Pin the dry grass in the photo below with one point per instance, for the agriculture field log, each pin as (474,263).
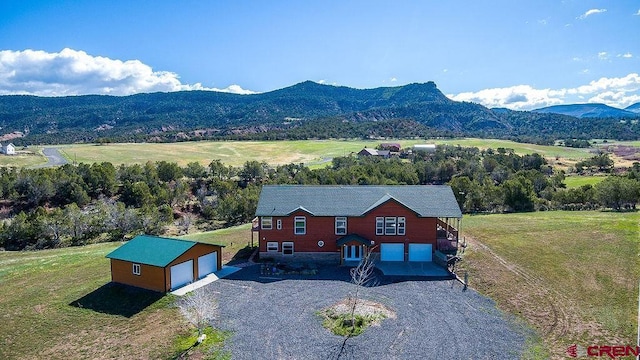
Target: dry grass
(310,152)
(571,275)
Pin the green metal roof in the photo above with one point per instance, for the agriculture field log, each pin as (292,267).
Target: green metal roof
(424,200)
(151,250)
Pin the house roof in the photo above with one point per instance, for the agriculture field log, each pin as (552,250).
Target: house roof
(369,151)
(424,200)
(151,250)
(352,237)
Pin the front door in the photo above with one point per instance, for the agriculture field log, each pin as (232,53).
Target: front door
(353,252)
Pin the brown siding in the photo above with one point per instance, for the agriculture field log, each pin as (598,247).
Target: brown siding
(193,253)
(418,230)
(151,277)
(158,278)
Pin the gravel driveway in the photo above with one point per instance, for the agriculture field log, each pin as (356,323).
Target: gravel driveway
(276,319)
(54,158)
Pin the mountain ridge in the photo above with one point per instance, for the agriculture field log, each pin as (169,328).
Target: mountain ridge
(590,110)
(303,110)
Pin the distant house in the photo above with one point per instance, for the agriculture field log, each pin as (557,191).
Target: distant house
(373,152)
(8,149)
(425,147)
(393,147)
(342,223)
(163,264)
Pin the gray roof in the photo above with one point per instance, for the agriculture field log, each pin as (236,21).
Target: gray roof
(424,200)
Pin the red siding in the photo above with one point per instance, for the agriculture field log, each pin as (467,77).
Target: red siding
(418,230)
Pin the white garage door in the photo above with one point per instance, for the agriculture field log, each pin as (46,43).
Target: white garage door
(181,274)
(420,252)
(207,264)
(392,252)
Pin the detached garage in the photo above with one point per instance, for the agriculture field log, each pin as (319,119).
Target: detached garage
(163,264)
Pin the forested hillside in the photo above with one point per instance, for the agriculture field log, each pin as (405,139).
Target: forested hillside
(305,110)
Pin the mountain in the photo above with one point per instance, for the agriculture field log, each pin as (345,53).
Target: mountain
(588,111)
(305,110)
(635,108)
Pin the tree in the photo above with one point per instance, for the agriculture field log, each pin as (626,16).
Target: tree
(518,194)
(195,170)
(219,170)
(253,171)
(618,192)
(136,194)
(199,308)
(168,171)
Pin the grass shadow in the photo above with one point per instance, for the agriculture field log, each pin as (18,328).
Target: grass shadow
(118,299)
(242,255)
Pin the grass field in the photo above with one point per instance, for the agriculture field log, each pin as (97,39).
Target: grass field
(571,275)
(310,152)
(578,181)
(55,305)
(23,159)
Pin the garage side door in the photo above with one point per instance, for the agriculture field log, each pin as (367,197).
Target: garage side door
(420,252)
(181,274)
(392,252)
(207,264)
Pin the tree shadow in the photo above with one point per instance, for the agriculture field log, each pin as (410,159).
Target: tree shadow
(118,299)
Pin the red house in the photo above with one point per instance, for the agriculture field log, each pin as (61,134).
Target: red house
(341,223)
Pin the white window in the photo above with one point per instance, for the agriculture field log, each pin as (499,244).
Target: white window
(267,223)
(379,226)
(300,226)
(341,225)
(401,226)
(390,226)
(136,269)
(279,224)
(287,248)
(272,246)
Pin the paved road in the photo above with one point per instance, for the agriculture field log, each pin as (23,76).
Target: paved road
(276,319)
(54,158)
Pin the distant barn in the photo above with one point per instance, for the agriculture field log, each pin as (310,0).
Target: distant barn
(393,147)
(373,152)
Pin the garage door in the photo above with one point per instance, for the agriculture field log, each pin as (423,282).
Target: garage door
(181,274)
(207,264)
(420,252)
(392,252)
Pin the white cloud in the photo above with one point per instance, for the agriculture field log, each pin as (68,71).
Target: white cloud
(591,12)
(626,55)
(619,92)
(393,79)
(602,55)
(638,13)
(323,81)
(234,89)
(72,72)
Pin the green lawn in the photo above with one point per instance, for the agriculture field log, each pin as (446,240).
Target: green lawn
(236,240)
(578,181)
(311,152)
(55,305)
(572,275)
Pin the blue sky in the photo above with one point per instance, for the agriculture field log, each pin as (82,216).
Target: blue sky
(516,54)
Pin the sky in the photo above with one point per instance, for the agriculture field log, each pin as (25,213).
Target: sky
(503,53)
